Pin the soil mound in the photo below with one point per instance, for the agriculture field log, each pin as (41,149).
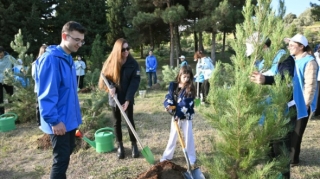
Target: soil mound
(163,170)
(44,142)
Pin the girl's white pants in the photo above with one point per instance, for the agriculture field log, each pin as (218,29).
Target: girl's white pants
(186,126)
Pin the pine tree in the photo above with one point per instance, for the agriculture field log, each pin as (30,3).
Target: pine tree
(97,55)
(241,146)
(24,99)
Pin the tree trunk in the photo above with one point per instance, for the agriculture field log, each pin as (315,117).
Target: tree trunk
(195,41)
(151,38)
(223,43)
(213,47)
(171,45)
(195,36)
(141,51)
(178,41)
(200,42)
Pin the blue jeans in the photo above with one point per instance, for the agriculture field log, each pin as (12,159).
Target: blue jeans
(63,146)
(150,74)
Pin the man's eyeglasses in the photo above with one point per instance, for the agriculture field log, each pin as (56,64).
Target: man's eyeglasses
(125,49)
(82,42)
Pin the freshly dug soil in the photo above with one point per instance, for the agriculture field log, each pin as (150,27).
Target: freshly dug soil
(44,142)
(163,170)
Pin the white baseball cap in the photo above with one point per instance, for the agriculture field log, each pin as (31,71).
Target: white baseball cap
(298,38)
(19,61)
(182,57)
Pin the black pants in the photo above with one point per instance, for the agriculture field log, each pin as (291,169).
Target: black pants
(63,146)
(276,147)
(296,138)
(80,81)
(204,89)
(9,91)
(150,75)
(117,122)
(38,114)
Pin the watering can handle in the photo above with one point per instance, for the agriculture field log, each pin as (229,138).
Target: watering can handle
(105,129)
(10,114)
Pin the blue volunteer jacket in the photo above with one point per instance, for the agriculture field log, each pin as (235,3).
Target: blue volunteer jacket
(55,77)
(151,64)
(298,87)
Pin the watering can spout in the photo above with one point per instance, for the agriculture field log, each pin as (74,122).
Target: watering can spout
(90,142)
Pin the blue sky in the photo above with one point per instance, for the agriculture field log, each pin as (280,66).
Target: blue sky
(294,6)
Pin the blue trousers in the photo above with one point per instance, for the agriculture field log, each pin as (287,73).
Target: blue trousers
(150,75)
(63,146)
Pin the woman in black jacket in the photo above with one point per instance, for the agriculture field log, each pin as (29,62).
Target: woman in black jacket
(123,73)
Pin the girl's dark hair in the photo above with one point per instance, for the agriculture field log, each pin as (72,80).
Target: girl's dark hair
(190,89)
(306,48)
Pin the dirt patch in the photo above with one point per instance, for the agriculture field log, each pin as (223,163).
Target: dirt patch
(163,170)
(44,142)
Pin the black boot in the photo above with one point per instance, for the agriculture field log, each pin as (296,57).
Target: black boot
(135,151)
(120,152)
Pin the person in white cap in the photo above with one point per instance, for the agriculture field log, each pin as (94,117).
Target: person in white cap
(304,90)
(183,61)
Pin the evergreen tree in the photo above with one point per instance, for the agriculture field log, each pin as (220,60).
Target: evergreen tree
(90,13)
(97,55)
(241,147)
(24,99)
(116,19)
(29,15)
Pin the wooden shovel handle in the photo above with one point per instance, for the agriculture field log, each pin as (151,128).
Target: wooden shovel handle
(179,134)
(123,112)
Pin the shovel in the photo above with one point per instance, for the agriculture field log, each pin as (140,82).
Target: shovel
(197,100)
(146,152)
(78,83)
(190,174)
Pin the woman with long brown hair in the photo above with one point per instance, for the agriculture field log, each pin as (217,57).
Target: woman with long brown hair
(204,69)
(123,73)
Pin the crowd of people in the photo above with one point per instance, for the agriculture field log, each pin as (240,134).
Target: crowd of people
(59,114)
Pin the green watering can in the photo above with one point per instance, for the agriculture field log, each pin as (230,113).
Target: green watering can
(104,138)
(7,122)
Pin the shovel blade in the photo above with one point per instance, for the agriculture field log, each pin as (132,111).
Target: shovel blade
(194,174)
(197,102)
(147,154)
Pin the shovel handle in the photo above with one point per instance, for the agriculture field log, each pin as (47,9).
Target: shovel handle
(179,134)
(122,112)
(183,145)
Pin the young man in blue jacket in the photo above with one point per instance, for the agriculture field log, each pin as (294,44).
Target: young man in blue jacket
(57,96)
(151,68)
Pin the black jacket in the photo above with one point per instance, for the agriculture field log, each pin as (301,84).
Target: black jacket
(287,66)
(129,81)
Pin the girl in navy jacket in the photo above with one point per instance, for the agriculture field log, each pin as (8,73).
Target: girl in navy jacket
(179,102)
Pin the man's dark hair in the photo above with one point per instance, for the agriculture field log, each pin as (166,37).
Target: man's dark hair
(73,26)
(1,49)
(268,42)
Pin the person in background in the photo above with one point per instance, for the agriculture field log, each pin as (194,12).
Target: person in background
(151,68)
(183,61)
(204,70)
(55,77)
(179,102)
(80,67)
(19,72)
(6,63)
(317,56)
(285,67)
(273,70)
(304,90)
(123,73)
(41,51)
